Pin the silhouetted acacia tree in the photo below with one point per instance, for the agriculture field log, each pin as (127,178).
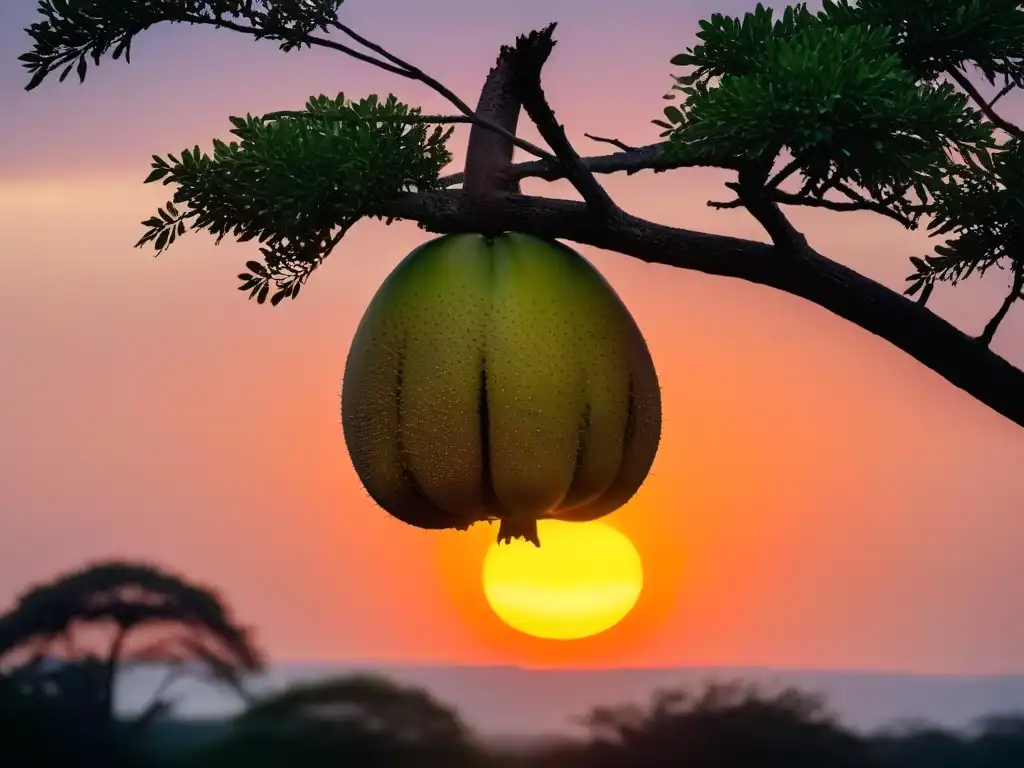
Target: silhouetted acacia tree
(852,108)
(359,721)
(65,641)
(727,725)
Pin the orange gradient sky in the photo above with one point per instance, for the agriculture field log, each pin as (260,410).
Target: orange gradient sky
(819,498)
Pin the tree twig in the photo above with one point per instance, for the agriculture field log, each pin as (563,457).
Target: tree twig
(410,119)
(1016,288)
(984,106)
(190,18)
(790,198)
(614,142)
(651,157)
(1002,92)
(787,170)
(459,104)
(402,70)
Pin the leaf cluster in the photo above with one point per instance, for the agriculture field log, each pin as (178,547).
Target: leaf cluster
(982,204)
(837,96)
(73,31)
(935,36)
(855,94)
(297,182)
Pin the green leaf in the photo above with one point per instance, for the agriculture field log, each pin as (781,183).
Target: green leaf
(156,174)
(673,114)
(161,239)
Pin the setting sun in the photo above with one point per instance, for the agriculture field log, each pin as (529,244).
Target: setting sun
(583,580)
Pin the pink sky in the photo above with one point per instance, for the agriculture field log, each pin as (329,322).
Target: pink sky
(827,501)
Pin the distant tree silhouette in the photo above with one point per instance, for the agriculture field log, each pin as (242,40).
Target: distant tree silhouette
(726,725)
(920,745)
(49,660)
(56,704)
(999,742)
(362,721)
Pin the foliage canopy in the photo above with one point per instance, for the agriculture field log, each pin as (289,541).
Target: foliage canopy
(865,106)
(187,627)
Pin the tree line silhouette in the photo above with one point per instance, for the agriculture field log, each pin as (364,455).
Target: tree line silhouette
(63,644)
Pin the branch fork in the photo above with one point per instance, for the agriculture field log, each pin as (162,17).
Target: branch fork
(512,84)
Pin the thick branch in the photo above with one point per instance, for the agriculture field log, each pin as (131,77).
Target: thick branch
(1015,293)
(908,325)
(533,51)
(750,189)
(489,154)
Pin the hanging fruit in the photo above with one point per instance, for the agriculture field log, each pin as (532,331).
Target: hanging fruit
(499,378)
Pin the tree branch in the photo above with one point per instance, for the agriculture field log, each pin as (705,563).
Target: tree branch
(532,53)
(488,154)
(1017,286)
(1002,92)
(614,142)
(750,189)
(282,114)
(787,170)
(394,65)
(190,18)
(857,203)
(903,322)
(984,106)
(651,157)
(790,198)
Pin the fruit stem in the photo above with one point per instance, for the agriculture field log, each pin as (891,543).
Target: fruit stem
(518,529)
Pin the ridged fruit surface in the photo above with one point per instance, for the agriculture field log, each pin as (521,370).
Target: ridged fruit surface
(499,379)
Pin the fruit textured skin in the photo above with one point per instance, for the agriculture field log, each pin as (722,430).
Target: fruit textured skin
(499,378)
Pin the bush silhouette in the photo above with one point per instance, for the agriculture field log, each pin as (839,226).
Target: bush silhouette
(363,721)
(726,725)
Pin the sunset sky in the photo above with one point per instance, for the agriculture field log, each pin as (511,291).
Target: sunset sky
(820,499)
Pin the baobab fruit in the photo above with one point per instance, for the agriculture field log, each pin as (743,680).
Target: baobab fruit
(499,378)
